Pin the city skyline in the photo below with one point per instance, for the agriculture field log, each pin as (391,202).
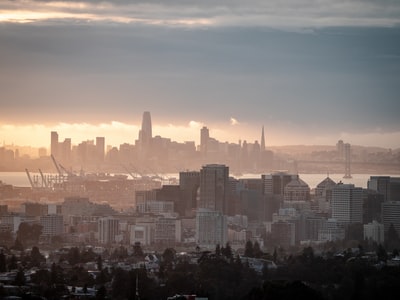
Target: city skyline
(310,73)
(118,133)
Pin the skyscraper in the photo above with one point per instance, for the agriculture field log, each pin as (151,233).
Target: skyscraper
(391,215)
(204,137)
(189,183)
(214,187)
(54,144)
(146,134)
(262,140)
(100,149)
(347,203)
(388,186)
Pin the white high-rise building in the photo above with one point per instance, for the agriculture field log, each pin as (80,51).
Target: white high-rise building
(211,228)
(347,203)
(375,232)
(108,230)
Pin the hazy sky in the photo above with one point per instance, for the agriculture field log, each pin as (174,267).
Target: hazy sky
(310,71)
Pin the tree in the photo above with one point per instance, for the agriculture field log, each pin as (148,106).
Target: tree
(41,277)
(392,238)
(308,254)
(168,258)
(257,253)
(275,256)
(12,264)
(6,237)
(3,264)
(55,274)
(87,255)
(217,250)
(137,250)
(18,245)
(227,251)
(169,255)
(36,257)
(103,277)
(395,252)
(248,251)
(29,233)
(20,278)
(101,293)
(381,253)
(119,286)
(99,263)
(392,234)
(73,256)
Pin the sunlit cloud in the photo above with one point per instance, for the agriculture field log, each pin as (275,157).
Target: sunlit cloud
(282,14)
(196,125)
(233,121)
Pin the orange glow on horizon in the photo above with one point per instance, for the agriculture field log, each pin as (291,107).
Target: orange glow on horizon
(117,133)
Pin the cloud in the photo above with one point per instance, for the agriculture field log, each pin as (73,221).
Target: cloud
(274,13)
(233,121)
(196,125)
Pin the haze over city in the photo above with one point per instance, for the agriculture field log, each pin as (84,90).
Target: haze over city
(310,73)
(199,150)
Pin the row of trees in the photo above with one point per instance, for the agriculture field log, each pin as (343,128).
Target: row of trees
(221,275)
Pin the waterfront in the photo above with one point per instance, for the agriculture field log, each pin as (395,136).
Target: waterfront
(20,178)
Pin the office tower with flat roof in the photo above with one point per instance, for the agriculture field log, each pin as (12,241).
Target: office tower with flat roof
(52,225)
(100,149)
(391,215)
(64,151)
(388,186)
(347,203)
(275,183)
(204,138)
(214,187)
(189,183)
(108,230)
(372,206)
(54,144)
(211,228)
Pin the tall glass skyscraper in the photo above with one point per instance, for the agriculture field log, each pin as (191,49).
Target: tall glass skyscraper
(146,134)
